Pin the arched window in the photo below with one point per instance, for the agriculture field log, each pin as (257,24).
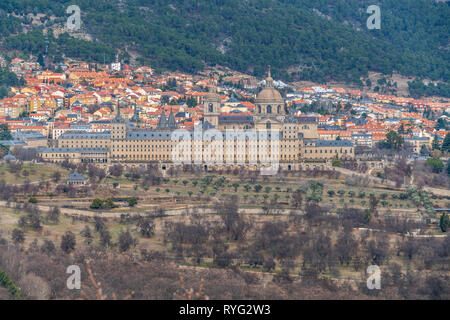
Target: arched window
(279,109)
(269,109)
(259,109)
(211,108)
(268,124)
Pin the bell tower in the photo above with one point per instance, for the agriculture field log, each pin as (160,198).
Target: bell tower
(211,110)
(118,126)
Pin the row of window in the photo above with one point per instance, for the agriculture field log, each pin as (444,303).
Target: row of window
(269,109)
(326,151)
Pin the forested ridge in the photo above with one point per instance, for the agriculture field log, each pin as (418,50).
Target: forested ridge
(318,40)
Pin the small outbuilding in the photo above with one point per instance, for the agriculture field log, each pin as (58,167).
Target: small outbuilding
(76,178)
(9,158)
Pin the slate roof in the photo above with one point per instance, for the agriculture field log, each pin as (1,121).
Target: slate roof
(118,118)
(86,135)
(330,143)
(28,135)
(167,123)
(224,119)
(307,120)
(67,150)
(167,135)
(162,122)
(206,125)
(135,117)
(76,177)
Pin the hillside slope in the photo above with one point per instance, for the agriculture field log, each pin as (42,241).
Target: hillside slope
(318,40)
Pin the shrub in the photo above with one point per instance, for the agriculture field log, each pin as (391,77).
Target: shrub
(336,162)
(97,204)
(258,187)
(32,200)
(11,286)
(132,201)
(436,165)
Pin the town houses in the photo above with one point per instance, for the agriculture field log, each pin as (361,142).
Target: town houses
(296,138)
(78,108)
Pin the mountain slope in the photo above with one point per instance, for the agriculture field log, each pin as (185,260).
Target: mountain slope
(316,40)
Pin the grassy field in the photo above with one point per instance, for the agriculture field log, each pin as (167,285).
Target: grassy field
(53,231)
(188,188)
(31,172)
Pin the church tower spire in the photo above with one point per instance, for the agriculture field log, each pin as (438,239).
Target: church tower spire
(269,80)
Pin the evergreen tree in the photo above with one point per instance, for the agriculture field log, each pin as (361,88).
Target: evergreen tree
(444,222)
(5,134)
(393,141)
(448,167)
(436,165)
(446,144)
(435,144)
(40,60)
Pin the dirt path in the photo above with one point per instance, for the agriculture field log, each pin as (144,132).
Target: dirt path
(405,235)
(111,214)
(390,183)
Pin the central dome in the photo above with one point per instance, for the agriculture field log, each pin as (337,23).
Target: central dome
(268,95)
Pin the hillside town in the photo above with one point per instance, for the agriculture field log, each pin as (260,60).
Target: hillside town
(292,154)
(84,98)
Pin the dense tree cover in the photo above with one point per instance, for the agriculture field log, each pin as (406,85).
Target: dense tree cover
(185,34)
(441,124)
(8,79)
(448,168)
(8,24)
(35,42)
(446,144)
(10,285)
(418,89)
(5,134)
(409,25)
(3,92)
